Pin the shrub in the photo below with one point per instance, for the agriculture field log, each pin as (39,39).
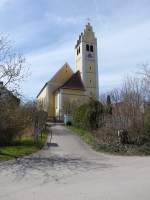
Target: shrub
(14,119)
(88,115)
(11,124)
(79,116)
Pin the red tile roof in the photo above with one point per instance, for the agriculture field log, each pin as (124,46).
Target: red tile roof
(75,82)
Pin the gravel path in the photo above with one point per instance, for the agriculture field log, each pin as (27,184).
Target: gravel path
(70,170)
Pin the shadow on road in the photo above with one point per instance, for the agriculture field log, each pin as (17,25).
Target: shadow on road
(46,167)
(51,144)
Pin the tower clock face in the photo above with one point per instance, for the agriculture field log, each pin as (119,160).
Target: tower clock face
(90,55)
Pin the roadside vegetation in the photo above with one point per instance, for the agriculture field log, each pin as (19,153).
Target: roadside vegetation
(21,124)
(85,135)
(120,122)
(22,146)
(91,139)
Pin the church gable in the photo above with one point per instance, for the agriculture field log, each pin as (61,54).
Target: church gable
(88,35)
(64,69)
(60,77)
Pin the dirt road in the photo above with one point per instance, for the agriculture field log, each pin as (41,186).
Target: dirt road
(70,170)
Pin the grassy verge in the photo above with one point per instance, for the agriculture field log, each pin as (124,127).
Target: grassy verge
(129,150)
(86,136)
(22,147)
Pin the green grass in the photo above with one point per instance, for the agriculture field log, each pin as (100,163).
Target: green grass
(22,147)
(85,135)
(126,150)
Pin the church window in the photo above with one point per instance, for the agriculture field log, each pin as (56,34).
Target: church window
(79,49)
(91,48)
(87,47)
(90,81)
(77,52)
(90,67)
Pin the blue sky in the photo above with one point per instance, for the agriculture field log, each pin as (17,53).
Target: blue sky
(46,31)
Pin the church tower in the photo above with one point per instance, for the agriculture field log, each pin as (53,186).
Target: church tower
(87,62)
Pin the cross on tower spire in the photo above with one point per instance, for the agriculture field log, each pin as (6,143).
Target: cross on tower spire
(88,20)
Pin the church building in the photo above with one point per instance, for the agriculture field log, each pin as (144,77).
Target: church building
(67,88)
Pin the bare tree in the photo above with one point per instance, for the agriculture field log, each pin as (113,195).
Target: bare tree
(128,105)
(13,68)
(145,76)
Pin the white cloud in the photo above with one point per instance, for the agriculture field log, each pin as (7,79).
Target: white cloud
(45,63)
(125,49)
(61,20)
(4,3)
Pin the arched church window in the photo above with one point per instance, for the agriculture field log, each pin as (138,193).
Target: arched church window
(87,47)
(91,48)
(90,68)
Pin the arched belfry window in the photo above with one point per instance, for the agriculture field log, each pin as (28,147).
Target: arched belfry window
(91,48)
(78,50)
(87,47)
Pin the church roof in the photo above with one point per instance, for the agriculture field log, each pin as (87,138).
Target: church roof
(65,68)
(58,79)
(75,82)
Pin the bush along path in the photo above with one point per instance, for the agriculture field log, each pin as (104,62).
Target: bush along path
(103,128)
(21,147)
(116,148)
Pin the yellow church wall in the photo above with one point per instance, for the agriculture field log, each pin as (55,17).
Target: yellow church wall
(58,80)
(68,97)
(51,110)
(46,97)
(77,97)
(42,99)
(73,92)
(79,63)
